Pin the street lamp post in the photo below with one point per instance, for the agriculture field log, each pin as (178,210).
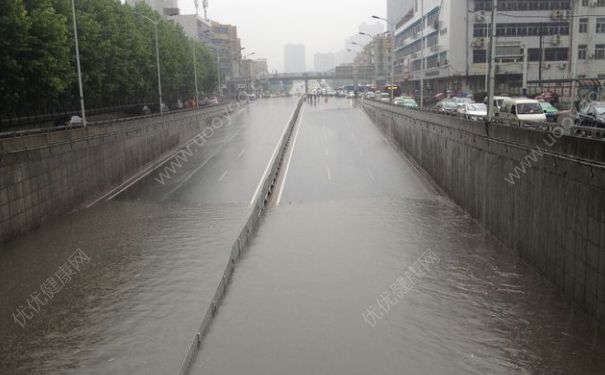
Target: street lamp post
(371,52)
(364,63)
(392,31)
(492,64)
(81,90)
(197,92)
(157,56)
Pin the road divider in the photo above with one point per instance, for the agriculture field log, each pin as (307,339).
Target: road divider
(258,205)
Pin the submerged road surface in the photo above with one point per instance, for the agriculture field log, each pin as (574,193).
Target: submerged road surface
(155,255)
(361,267)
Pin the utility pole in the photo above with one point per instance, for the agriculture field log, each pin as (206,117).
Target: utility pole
(541,53)
(422,54)
(82,108)
(492,64)
(197,92)
(525,68)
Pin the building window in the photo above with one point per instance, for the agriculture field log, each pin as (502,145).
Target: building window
(521,5)
(522,29)
(601,25)
(549,54)
(432,62)
(479,56)
(600,3)
(583,25)
(582,49)
(599,52)
(416,65)
(556,54)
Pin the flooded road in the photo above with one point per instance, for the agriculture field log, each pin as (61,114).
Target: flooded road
(155,255)
(315,292)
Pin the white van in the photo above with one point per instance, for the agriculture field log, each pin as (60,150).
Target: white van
(522,111)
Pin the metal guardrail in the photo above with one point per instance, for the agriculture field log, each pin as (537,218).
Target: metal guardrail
(45,130)
(241,243)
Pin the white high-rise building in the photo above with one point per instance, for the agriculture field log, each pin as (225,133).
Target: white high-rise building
(295,58)
(445,43)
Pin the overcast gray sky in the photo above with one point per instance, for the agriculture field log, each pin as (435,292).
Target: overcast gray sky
(265,26)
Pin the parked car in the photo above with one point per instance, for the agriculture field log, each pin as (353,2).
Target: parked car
(462,101)
(405,101)
(522,111)
(385,97)
(592,115)
(474,111)
(351,95)
(370,95)
(447,106)
(498,100)
(551,112)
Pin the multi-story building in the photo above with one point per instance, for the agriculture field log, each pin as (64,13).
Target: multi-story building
(445,43)
(195,27)
(163,7)
(295,58)
(228,46)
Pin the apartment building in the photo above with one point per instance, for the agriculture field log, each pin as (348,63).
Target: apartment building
(445,43)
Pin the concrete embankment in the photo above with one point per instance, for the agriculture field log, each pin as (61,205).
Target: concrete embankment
(541,194)
(49,174)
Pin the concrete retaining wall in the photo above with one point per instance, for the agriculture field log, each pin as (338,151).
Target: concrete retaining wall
(553,214)
(45,175)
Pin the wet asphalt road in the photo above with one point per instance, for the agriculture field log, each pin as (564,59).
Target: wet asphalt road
(349,217)
(314,294)
(157,252)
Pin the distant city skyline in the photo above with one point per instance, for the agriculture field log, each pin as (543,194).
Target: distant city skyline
(319,25)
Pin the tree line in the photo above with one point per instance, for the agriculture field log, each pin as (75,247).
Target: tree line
(117,52)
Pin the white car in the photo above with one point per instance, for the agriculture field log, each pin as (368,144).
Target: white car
(474,111)
(522,111)
(351,95)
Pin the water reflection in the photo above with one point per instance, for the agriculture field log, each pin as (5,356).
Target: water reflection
(134,307)
(296,302)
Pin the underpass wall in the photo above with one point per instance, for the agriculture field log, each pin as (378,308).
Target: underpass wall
(46,175)
(552,214)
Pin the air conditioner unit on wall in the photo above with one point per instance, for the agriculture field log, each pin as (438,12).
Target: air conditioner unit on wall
(547,66)
(480,17)
(478,43)
(563,66)
(592,3)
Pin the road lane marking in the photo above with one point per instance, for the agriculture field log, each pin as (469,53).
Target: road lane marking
(327,152)
(287,169)
(264,176)
(329,174)
(194,172)
(239,156)
(223,175)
